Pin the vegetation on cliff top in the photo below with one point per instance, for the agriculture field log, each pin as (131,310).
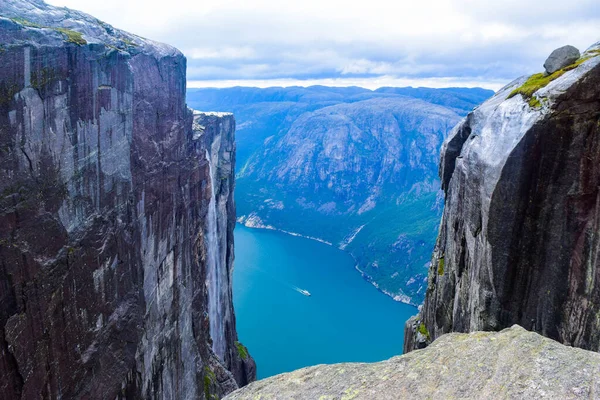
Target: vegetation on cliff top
(541,80)
(71,35)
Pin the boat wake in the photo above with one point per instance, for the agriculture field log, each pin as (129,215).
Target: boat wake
(302,291)
(279,281)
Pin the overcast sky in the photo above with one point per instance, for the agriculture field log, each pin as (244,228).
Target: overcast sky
(370,43)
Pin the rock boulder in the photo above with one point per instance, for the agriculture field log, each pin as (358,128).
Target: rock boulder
(560,58)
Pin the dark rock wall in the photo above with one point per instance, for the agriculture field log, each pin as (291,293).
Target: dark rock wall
(518,243)
(104,192)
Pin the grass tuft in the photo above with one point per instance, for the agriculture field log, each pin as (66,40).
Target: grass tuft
(422,329)
(541,80)
(242,350)
(72,36)
(441,264)
(26,23)
(535,83)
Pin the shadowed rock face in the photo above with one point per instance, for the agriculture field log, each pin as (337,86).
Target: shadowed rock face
(519,239)
(512,364)
(104,194)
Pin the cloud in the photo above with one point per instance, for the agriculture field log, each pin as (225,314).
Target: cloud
(440,40)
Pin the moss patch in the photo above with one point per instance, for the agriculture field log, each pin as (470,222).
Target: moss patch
(24,22)
(422,329)
(441,264)
(129,42)
(541,80)
(242,350)
(209,379)
(7,92)
(535,83)
(72,36)
(42,78)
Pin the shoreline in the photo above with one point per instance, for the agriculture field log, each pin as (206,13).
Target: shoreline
(253,221)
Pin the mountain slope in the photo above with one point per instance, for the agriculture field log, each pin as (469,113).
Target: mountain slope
(349,166)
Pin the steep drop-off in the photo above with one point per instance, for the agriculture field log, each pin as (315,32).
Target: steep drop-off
(518,242)
(107,184)
(350,166)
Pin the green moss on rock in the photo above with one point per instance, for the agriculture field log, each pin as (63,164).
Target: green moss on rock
(24,22)
(72,36)
(209,380)
(242,350)
(441,264)
(42,78)
(7,92)
(129,42)
(535,83)
(534,102)
(541,80)
(422,329)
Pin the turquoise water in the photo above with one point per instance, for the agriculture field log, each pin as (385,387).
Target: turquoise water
(344,319)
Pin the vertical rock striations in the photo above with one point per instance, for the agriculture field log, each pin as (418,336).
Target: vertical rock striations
(105,240)
(518,242)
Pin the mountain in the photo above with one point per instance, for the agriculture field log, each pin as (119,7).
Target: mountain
(512,364)
(116,218)
(518,242)
(351,167)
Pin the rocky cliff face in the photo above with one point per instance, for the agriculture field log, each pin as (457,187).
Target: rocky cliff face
(107,182)
(518,242)
(512,364)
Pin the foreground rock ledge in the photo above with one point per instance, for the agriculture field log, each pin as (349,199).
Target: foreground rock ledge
(511,364)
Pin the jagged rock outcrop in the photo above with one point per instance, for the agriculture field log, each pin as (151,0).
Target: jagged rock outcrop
(518,242)
(106,182)
(512,364)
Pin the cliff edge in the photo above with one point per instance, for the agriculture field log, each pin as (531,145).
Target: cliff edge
(116,217)
(518,242)
(512,364)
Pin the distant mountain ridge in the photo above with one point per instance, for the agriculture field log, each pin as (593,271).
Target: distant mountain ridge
(353,167)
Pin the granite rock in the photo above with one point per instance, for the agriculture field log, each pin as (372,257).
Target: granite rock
(560,58)
(512,364)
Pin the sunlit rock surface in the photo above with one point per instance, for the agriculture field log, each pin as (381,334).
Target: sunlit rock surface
(512,364)
(105,189)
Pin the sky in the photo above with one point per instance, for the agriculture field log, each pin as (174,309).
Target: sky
(374,43)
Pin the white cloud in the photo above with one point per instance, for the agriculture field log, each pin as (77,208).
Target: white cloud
(224,53)
(460,40)
(369,83)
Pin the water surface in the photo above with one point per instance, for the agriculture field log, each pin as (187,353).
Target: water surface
(344,319)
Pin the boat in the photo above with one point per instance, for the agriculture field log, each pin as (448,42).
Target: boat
(304,292)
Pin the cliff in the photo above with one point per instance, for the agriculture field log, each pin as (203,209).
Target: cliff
(518,242)
(512,364)
(116,217)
